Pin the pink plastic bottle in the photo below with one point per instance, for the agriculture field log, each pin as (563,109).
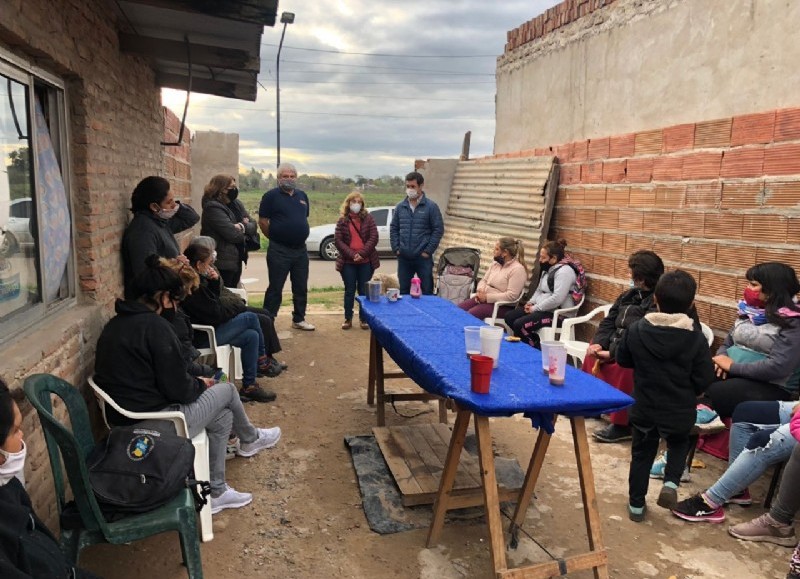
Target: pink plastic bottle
(416,287)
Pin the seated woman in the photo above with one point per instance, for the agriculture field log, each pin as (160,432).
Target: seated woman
(762,351)
(552,293)
(27,547)
(139,364)
(233,324)
(504,281)
(645,269)
(759,438)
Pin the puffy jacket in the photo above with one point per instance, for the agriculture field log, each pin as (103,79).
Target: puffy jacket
(631,306)
(219,222)
(412,233)
(148,234)
(369,235)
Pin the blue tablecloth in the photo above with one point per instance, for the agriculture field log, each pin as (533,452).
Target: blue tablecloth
(425,337)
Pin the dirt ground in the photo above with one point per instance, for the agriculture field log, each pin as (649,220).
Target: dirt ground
(306,520)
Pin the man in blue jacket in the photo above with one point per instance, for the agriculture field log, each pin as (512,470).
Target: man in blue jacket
(416,230)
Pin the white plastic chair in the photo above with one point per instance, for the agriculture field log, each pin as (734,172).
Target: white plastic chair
(576,349)
(552,332)
(237,352)
(221,352)
(202,470)
(708,333)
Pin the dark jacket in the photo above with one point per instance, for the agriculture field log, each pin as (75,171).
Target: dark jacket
(212,304)
(183,329)
(27,547)
(671,367)
(412,233)
(148,234)
(250,228)
(139,362)
(219,222)
(631,306)
(369,235)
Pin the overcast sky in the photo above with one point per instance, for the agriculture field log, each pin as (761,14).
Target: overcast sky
(424,77)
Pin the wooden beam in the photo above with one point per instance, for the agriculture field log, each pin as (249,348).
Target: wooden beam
(208,86)
(262,12)
(201,54)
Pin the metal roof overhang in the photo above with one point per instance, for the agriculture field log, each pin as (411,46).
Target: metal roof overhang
(220,38)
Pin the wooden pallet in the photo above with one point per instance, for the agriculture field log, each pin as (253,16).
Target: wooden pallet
(416,455)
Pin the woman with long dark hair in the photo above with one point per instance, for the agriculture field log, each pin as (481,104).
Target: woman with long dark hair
(759,357)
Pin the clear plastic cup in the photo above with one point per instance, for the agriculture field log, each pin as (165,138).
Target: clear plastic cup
(544,346)
(557,357)
(472,340)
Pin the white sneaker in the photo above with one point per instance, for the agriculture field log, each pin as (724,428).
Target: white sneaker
(267,438)
(230,499)
(303,325)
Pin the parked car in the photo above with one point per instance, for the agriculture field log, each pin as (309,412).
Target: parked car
(16,231)
(320,238)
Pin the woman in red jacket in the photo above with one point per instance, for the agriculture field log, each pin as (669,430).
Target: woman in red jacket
(356,237)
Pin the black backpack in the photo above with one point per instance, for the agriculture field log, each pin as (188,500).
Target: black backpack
(141,467)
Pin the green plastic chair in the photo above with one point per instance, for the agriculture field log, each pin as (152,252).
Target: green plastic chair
(177,515)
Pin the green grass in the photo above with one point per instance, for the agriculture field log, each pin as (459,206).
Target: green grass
(330,298)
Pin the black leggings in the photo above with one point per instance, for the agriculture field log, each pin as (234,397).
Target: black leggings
(271,342)
(525,326)
(725,395)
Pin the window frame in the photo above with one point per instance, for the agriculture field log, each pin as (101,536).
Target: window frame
(34,78)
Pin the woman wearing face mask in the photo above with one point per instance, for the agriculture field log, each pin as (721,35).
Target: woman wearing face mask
(548,297)
(645,269)
(214,305)
(28,550)
(504,281)
(762,351)
(226,220)
(356,236)
(140,365)
(157,217)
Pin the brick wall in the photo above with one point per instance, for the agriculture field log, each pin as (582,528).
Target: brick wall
(116,123)
(177,166)
(552,19)
(711,197)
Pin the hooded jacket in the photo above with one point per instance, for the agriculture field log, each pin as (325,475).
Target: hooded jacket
(631,306)
(212,303)
(671,367)
(28,549)
(148,234)
(139,363)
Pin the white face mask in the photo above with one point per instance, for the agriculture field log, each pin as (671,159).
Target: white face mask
(355,207)
(214,256)
(14,466)
(412,193)
(632,284)
(167,213)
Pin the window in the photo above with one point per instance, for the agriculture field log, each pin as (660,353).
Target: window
(35,223)
(380,215)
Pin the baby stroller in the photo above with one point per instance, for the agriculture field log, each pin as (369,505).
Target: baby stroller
(457,273)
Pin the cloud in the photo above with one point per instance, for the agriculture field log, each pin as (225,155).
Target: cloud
(411,94)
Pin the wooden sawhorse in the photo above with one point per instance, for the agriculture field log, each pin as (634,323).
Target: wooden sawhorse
(596,558)
(375,385)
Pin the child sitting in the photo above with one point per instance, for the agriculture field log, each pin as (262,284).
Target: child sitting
(671,367)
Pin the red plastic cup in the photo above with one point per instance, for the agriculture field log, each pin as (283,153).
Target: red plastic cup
(480,368)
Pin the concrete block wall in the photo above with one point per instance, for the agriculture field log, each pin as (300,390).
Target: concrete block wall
(115,126)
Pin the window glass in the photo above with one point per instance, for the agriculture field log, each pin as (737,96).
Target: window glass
(19,279)
(35,222)
(380,215)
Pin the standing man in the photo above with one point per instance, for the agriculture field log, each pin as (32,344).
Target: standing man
(415,233)
(283,219)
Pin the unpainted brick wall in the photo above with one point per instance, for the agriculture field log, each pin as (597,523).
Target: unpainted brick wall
(116,125)
(712,197)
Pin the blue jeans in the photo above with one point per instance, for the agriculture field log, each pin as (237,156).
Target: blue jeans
(767,444)
(355,277)
(244,331)
(422,266)
(283,261)
(218,410)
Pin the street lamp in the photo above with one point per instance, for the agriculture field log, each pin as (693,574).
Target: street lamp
(286,18)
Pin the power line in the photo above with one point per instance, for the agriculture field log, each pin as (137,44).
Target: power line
(318,113)
(393,73)
(403,82)
(387,55)
(389,97)
(413,68)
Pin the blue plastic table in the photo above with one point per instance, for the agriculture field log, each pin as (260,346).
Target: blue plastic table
(425,338)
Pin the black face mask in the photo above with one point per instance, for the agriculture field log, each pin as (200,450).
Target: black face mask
(500,259)
(168,314)
(233,193)
(545,266)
